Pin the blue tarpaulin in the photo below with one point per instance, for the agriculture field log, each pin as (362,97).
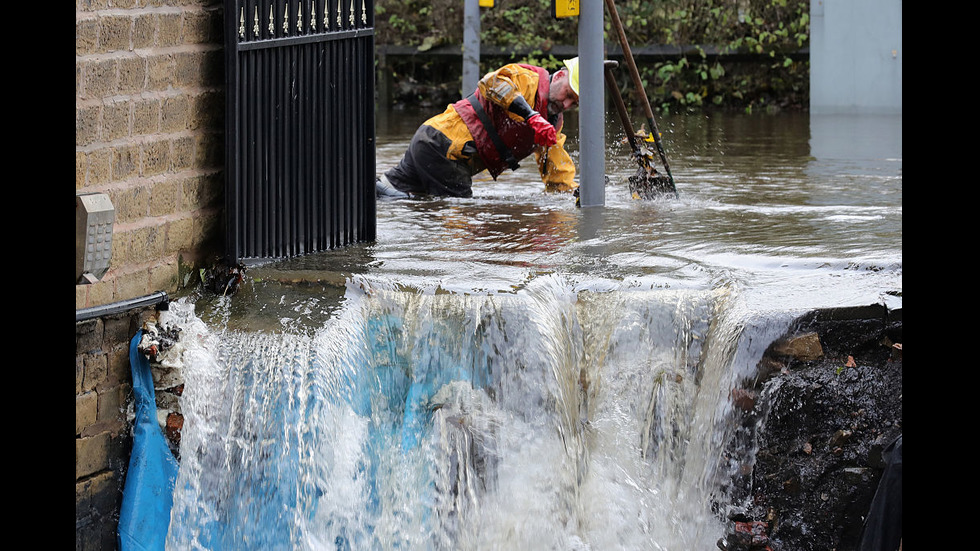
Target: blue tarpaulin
(148,494)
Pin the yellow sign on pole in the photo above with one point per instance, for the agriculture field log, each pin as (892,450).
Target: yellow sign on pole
(486,3)
(564,8)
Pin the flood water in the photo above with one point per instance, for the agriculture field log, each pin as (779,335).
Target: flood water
(806,210)
(508,371)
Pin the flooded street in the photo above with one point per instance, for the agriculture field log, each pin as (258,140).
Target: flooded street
(796,211)
(509,371)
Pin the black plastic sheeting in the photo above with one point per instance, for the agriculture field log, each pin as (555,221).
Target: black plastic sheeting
(883,527)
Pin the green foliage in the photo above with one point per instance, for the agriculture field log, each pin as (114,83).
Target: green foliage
(770,30)
(418,22)
(773,29)
(523,24)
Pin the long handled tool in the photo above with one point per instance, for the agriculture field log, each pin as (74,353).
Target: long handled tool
(647,183)
(635,75)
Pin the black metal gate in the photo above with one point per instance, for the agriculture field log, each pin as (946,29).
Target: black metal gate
(300,127)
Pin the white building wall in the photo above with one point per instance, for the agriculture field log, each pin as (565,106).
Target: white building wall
(856,56)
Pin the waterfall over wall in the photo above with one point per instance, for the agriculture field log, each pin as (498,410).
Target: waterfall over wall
(549,418)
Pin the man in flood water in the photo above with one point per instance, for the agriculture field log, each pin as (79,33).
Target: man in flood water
(515,111)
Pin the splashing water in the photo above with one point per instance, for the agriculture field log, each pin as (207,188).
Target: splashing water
(541,377)
(551,418)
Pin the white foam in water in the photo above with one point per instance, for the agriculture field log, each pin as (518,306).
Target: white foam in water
(552,418)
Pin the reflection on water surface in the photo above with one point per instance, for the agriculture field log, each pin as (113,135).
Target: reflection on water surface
(799,211)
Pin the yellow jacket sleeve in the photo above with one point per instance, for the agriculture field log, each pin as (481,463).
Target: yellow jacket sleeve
(505,84)
(556,166)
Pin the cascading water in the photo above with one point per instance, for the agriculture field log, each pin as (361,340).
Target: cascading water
(553,417)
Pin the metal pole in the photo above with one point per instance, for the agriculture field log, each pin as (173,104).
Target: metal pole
(592,128)
(471,46)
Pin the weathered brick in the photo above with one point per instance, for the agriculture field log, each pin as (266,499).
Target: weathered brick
(155,158)
(130,203)
(188,69)
(120,254)
(164,276)
(193,192)
(95,371)
(97,502)
(79,369)
(144,315)
(197,27)
(91,454)
(86,35)
(132,74)
(98,166)
(180,234)
(100,78)
(163,198)
(87,125)
(183,151)
(212,190)
(146,116)
(160,72)
(88,336)
(175,114)
(175,424)
(86,410)
(120,446)
(118,358)
(144,30)
(208,111)
(119,329)
(115,120)
(102,292)
(111,403)
(169,30)
(115,31)
(81,296)
(210,151)
(81,166)
(154,242)
(88,532)
(93,5)
(125,161)
(105,492)
(206,226)
(83,496)
(132,285)
(136,247)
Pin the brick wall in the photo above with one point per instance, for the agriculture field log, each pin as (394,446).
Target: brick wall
(149,110)
(103,439)
(149,133)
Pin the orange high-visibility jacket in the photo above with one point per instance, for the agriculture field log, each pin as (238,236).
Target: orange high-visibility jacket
(495,92)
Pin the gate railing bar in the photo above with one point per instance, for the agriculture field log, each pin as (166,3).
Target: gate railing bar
(300,139)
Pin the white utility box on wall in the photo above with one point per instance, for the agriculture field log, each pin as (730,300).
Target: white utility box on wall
(94,216)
